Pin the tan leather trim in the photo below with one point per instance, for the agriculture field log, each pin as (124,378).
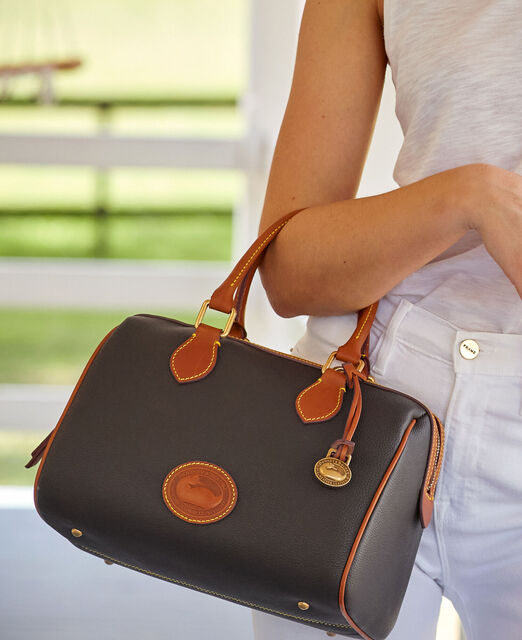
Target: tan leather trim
(362,528)
(199,492)
(351,351)
(58,425)
(323,398)
(196,357)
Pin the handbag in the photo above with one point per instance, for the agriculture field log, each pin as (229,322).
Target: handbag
(188,453)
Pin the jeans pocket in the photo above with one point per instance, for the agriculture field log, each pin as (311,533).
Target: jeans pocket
(384,337)
(403,361)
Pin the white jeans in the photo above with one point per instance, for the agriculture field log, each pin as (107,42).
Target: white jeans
(472,551)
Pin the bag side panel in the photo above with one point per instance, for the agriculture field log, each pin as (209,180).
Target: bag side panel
(385,556)
(53,433)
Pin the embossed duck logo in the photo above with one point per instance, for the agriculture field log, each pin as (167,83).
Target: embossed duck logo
(199,491)
(333,472)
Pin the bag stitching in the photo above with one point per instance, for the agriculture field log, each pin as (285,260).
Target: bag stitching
(267,239)
(301,395)
(201,373)
(365,319)
(215,593)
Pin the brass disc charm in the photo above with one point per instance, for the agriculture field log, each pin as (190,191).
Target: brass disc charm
(332,472)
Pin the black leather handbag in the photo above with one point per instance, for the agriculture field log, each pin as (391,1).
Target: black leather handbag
(190,454)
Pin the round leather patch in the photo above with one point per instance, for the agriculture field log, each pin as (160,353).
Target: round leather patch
(199,492)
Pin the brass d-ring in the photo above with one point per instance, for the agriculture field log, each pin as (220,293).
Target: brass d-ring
(230,321)
(359,365)
(329,361)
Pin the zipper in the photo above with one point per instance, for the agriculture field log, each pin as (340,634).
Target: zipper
(438,456)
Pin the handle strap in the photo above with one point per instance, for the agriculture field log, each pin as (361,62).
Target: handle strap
(343,353)
(241,278)
(223,297)
(231,297)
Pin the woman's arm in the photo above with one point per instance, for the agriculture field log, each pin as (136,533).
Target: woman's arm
(344,252)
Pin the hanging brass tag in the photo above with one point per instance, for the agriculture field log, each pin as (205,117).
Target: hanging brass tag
(332,471)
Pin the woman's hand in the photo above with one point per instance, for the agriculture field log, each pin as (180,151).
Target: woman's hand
(493,206)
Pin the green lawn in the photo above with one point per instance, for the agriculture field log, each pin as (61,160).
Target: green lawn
(156,214)
(205,237)
(52,346)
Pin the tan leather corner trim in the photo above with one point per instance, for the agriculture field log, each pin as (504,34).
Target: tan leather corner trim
(362,528)
(426,509)
(322,399)
(58,425)
(196,357)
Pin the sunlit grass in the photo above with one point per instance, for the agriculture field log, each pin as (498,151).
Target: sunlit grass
(204,237)
(195,224)
(52,346)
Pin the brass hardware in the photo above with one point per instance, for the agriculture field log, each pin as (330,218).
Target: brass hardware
(230,320)
(333,472)
(371,378)
(327,364)
(108,562)
(76,533)
(359,366)
(303,605)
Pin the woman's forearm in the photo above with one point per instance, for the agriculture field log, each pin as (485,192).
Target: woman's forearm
(336,258)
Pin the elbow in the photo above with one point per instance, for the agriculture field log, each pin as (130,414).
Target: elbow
(276,289)
(278,298)
(281,306)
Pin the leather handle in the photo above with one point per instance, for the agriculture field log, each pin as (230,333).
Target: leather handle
(223,297)
(238,328)
(233,294)
(239,331)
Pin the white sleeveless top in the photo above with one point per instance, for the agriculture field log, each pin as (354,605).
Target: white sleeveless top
(457,72)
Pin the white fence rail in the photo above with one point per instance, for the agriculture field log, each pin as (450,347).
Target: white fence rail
(104,151)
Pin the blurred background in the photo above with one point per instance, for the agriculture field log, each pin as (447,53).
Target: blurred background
(135,144)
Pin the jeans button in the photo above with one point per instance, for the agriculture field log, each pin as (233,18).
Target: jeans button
(469,349)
